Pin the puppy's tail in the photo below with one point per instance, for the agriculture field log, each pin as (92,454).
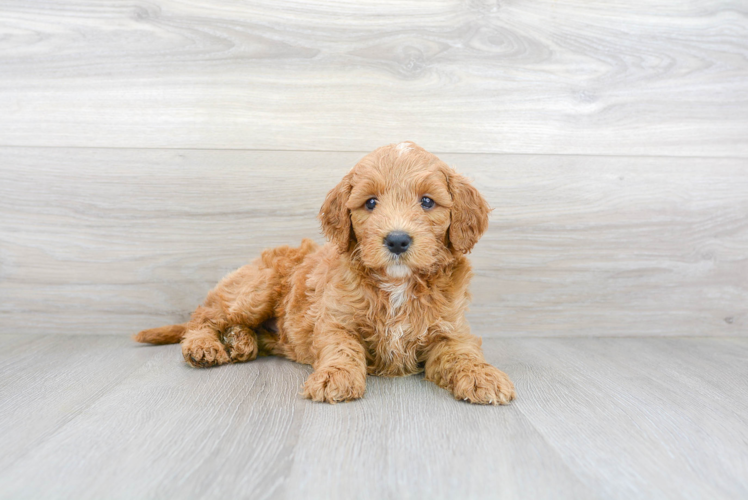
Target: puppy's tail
(171,334)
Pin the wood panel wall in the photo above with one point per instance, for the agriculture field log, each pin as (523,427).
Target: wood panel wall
(148,147)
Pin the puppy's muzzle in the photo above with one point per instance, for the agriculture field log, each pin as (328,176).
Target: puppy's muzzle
(398,242)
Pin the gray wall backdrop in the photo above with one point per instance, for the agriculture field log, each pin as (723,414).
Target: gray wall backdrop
(147,148)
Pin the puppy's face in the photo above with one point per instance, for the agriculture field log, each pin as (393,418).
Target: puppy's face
(404,211)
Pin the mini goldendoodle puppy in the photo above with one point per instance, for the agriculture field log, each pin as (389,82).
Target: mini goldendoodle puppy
(386,296)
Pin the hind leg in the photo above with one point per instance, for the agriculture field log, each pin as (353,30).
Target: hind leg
(206,347)
(221,331)
(240,343)
(201,348)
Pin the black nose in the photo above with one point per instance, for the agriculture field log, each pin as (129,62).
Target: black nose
(397,242)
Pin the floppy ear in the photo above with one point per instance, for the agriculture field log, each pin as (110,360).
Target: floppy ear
(334,215)
(469,214)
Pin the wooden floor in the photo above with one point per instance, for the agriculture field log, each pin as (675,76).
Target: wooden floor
(101,417)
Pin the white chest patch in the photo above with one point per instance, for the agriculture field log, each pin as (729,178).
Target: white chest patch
(393,342)
(395,333)
(398,294)
(395,345)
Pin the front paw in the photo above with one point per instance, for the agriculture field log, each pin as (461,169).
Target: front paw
(333,385)
(483,384)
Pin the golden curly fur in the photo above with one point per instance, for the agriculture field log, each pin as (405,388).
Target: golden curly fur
(355,306)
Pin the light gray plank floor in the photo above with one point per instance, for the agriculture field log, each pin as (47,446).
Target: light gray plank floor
(101,417)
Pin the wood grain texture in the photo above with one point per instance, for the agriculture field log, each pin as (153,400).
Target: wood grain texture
(634,77)
(636,417)
(48,381)
(107,241)
(595,418)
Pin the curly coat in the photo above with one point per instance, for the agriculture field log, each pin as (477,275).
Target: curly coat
(353,306)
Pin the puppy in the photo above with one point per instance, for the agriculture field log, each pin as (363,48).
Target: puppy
(386,296)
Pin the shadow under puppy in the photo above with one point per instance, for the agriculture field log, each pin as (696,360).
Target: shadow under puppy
(386,296)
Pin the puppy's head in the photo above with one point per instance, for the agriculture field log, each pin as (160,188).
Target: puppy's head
(405,211)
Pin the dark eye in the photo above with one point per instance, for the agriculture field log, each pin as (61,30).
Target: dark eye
(370,204)
(427,202)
